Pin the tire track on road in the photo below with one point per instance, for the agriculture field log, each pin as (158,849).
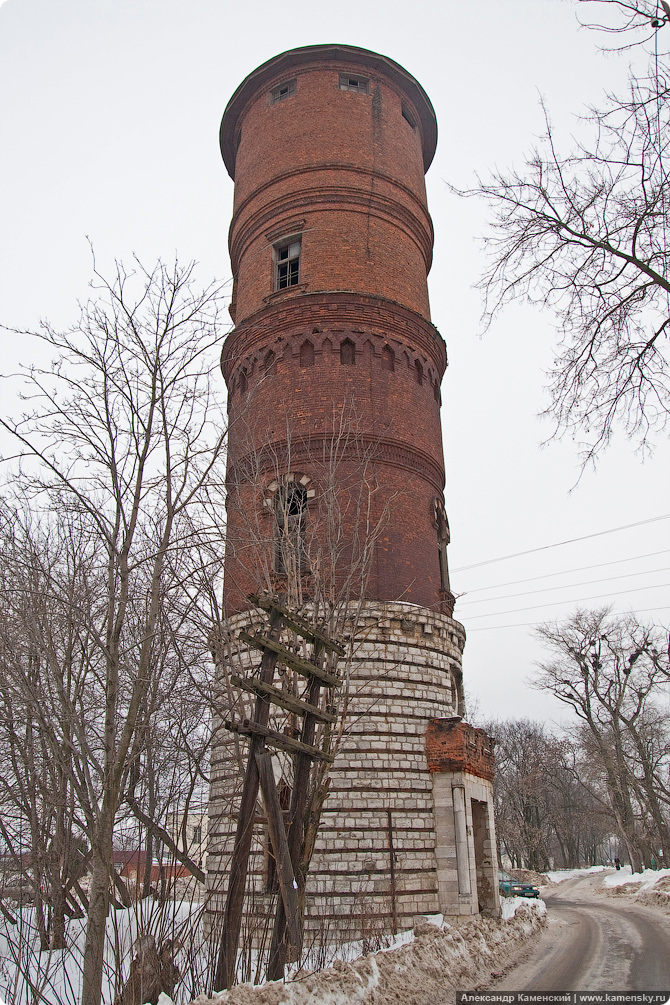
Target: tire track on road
(591,944)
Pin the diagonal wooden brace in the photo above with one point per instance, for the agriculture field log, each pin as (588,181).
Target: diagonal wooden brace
(287,883)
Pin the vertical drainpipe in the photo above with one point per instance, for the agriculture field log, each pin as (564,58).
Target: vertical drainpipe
(460,826)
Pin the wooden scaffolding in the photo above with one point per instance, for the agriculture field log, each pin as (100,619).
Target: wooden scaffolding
(286,837)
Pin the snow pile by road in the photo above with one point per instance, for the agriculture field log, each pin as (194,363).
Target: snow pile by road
(559,875)
(439,959)
(510,905)
(651,888)
(646,879)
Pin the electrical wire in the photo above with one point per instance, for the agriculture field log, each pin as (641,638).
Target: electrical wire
(559,544)
(570,600)
(565,572)
(534,624)
(566,586)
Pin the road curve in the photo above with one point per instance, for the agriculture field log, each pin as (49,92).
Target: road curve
(593,943)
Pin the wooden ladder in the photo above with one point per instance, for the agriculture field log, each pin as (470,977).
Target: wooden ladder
(287,838)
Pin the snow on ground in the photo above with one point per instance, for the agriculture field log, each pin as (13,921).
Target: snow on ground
(438,959)
(510,905)
(647,879)
(558,875)
(54,977)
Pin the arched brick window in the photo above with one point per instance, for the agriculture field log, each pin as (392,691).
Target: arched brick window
(242,381)
(388,358)
(307,353)
(418,369)
(347,352)
(269,361)
(287,501)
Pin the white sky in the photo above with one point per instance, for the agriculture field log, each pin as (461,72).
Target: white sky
(109,123)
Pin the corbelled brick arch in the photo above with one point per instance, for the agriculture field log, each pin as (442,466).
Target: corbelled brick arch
(330,244)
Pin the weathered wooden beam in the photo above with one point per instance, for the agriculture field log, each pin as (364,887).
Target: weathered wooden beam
(224,976)
(249,728)
(289,659)
(277,697)
(287,884)
(295,835)
(299,625)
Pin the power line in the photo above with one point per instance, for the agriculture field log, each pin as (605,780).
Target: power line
(565,586)
(534,624)
(565,572)
(515,610)
(559,544)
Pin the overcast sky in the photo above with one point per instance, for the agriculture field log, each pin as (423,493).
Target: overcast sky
(110,112)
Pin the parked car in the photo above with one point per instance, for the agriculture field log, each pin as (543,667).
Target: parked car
(511,887)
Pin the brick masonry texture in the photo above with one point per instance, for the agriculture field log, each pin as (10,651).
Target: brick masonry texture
(457,746)
(345,364)
(401,678)
(356,169)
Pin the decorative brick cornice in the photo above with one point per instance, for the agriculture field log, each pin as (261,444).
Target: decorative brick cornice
(453,745)
(367,314)
(274,457)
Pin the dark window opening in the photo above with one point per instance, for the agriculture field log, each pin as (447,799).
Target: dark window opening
(242,381)
(307,354)
(347,353)
(197,834)
(388,358)
(418,369)
(283,91)
(290,525)
(443,539)
(287,265)
(269,360)
(350,83)
(407,116)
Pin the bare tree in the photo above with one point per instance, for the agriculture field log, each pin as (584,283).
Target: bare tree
(584,234)
(610,670)
(317,556)
(548,804)
(635,22)
(123,434)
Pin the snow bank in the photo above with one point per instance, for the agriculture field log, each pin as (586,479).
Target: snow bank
(559,875)
(646,879)
(438,960)
(510,905)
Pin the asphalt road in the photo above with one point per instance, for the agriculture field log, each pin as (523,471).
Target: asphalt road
(593,942)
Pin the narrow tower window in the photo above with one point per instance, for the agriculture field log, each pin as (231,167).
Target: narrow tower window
(347,353)
(242,381)
(290,525)
(418,369)
(283,91)
(388,358)
(443,539)
(287,264)
(350,83)
(407,115)
(307,353)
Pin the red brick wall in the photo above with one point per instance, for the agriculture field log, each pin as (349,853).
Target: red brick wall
(346,170)
(453,745)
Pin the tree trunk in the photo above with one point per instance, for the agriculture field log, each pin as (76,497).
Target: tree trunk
(98,909)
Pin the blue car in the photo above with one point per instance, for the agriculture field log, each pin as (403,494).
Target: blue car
(510,887)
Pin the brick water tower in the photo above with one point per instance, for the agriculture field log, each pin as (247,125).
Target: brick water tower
(336,464)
